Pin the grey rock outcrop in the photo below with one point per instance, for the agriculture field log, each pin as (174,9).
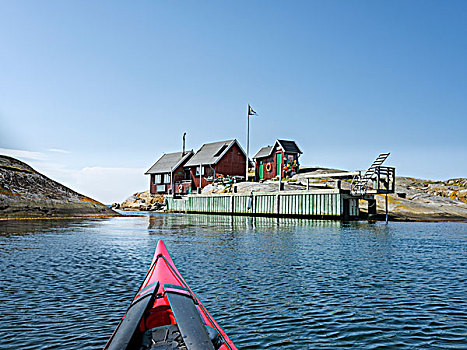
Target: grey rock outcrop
(424,200)
(26,193)
(417,199)
(144,201)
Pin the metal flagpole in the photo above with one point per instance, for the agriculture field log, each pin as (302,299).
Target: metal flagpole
(247,141)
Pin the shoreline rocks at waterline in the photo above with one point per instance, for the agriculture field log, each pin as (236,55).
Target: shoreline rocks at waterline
(26,193)
(142,201)
(414,200)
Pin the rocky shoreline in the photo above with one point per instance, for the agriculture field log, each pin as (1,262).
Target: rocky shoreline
(25,193)
(414,200)
(425,200)
(142,201)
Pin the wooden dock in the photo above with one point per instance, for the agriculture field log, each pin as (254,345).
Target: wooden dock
(323,204)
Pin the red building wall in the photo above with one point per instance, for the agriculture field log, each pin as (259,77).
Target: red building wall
(153,187)
(272,160)
(268,160)
(195,178)
(178,176)
(233,163)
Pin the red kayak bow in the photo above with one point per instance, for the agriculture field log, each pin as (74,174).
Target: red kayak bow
(166,314)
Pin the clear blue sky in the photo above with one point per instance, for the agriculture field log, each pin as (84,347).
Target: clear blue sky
(98,90)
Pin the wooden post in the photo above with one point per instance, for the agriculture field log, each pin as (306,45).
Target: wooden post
(387,190)
(277,204)
(386,207)
(253,200)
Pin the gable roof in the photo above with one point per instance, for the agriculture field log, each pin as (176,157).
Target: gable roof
(263,152)
(287,145)
(211,153)
(169,162)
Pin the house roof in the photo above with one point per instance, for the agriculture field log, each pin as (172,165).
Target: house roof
(211,153)
(263,152)
(169,162)
(287,145)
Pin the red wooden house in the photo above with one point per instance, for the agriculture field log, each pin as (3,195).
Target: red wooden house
(223,158)
(270,161)
(168,172)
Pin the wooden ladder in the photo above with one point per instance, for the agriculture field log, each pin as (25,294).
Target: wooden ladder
(360,182)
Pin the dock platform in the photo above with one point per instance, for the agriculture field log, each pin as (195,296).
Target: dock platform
(331,204)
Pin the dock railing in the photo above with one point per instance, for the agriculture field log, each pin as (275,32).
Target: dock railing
(381,180)
(329,203)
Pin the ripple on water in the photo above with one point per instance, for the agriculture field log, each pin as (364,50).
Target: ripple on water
(271,284)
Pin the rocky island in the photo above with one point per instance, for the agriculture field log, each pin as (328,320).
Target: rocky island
(414,200)
(25,193)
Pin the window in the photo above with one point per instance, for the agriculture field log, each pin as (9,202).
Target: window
(219,152)
(197,170)
(167,178)
(157,179)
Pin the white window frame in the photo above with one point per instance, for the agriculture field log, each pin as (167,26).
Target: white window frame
(167,178)
(202,170)
(157,179)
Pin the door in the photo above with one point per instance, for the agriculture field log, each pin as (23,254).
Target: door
(278,163)
(261,170)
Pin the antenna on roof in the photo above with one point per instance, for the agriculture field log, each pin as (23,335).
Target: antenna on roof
(183,149)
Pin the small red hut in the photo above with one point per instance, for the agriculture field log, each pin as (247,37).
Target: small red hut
(217,159)
(168,173)
(270,160)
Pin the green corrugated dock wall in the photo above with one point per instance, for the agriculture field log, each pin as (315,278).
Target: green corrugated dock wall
(322,204)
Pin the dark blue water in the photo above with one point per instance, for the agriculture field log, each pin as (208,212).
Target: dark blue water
(271,284)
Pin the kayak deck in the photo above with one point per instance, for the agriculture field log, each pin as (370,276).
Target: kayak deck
(166,314)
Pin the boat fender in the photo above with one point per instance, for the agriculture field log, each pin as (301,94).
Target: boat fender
(249,203)
(268,167)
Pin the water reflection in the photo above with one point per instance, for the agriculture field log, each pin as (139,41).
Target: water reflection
(182,221)
(271,283)
(22,227)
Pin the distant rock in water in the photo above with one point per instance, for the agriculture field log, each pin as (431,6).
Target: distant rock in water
(26,193)
(143,201)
